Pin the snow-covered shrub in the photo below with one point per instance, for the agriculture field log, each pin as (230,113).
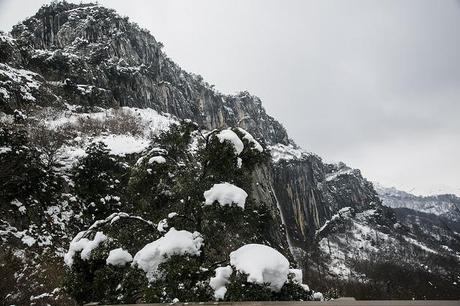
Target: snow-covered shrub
(99,181)
(99,263)
(261,273)
(24,175)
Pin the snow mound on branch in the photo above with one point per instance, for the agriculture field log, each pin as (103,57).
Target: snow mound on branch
(84,245)
(219,282)
(174,242)
(262,264)
(318,296)
(298,275)
(119,257)
(157,159)
(231,136)
(225,194)
(251,139)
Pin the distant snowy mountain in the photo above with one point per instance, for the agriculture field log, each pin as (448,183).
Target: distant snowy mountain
(445,205)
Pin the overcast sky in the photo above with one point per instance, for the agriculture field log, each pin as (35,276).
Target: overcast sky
(375,84)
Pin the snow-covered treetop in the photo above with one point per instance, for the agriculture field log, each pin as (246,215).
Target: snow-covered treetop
(262,264)
(225,194)
(174,242)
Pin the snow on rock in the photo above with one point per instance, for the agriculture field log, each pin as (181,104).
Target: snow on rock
(28,240)
(119,257)
(157,159)
(84,245)
(123,144)
(162,225)
(318,296)
(225,194)
(251,139)
(219,282)
(230,136)
(174,242)
(69,155)
(344,171)
(26,81)
(239,162)
(21,208)
(262,264)
(4,150)
(419,244)
(298,275)
(286,152)
(345,212)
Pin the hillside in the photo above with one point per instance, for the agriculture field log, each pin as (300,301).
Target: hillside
(126,179)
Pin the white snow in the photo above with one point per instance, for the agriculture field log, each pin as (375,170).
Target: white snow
(26,239)
(69,155)
(286,152)
(251,139)
(123,144)
(157,159)
(174,242)
(230,136)
(172,215)
(24,79)
(119,257)
(151,120)
(298,275)
(262,263)
(225,194)
(219,282)
(342,213)
(239,162)
(21,208)
(419,244)
(84,245)
(318,296)
(162,225)
(5,93)
(344,171)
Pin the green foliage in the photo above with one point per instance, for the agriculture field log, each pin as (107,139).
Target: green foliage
(94,280)
(23,173)
(181,278)
(99,181)
(239,289)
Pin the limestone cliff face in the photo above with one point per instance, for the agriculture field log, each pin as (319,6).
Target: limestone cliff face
(311,192)
(89,56)
(119,64)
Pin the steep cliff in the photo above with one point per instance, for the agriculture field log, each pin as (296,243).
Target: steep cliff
(94,57)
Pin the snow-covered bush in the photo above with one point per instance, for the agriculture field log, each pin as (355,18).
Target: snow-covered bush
(99,181)
(24,175)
